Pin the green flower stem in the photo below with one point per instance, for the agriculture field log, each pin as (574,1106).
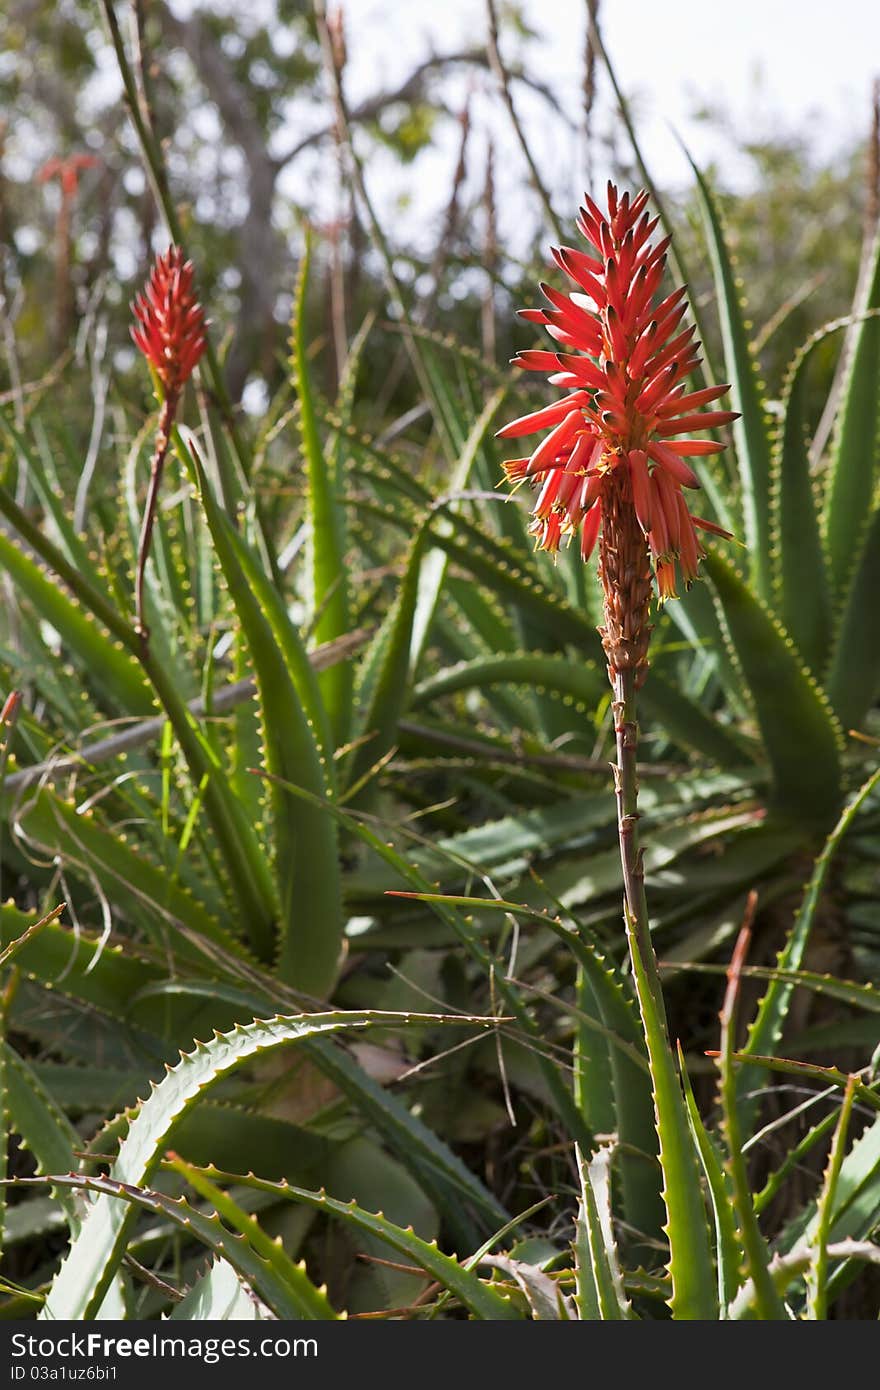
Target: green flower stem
(157,467)
(691,1267)
(626,787)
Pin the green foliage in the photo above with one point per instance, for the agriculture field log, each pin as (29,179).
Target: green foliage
(358,781)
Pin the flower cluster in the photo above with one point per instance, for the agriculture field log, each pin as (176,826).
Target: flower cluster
(170,328)
(624,361)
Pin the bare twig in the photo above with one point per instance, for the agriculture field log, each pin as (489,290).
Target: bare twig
(100,386)
(413,88)
(490,259)
(426,312)
(590,87)
(503,78)
(145,730)
(557,761)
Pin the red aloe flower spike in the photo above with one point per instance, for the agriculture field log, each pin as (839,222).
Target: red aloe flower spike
(170,332)
(170,328)
(628,357)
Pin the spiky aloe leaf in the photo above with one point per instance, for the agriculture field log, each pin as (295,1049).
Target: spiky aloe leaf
(690,1263)
(465,1202)
(852,478)
(245,864)
(481,1301)
(792,712)
(293,1276)
(510,997)
(328,570)
(853,678)
(43,475)
(95,1252)
(106,978)
(592,1081)
(802,594)
(855,1205)
(633,1099)
(766,1030)
(283,1285)
(384,672)
(850,992)
(306,858)
(750,432)
(433,571)
(219,1295)
(97,973)
(599,1290)
(41,1123)
(113,670)
(817,1276)
(683,719)
(728,1251)
(142,888)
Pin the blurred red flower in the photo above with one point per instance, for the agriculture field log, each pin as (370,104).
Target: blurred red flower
(68,171)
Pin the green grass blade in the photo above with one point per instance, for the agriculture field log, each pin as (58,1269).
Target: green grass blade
(306,858)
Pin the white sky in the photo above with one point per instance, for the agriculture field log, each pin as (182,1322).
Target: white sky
(803,66)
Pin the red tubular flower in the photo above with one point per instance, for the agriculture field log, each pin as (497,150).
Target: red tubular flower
(614,445)
(170,329)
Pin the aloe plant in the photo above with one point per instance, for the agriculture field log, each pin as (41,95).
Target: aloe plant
(369,731)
